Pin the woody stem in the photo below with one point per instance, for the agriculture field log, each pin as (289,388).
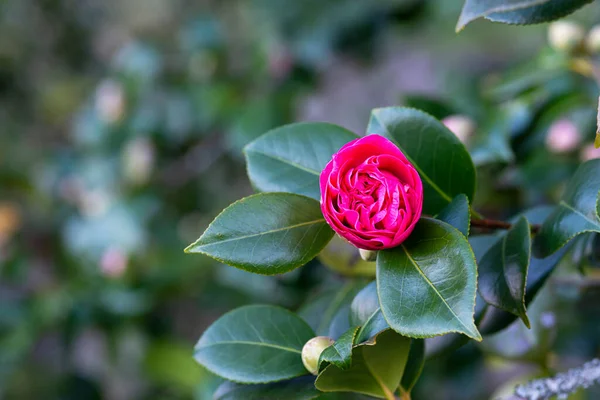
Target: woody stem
(494,224)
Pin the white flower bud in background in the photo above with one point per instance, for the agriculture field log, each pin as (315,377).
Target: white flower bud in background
(138,160)
(461,125)
(592,40)
(110,101)
(113,263)
(312,351)
(563,136)
(565,35)
(589,152)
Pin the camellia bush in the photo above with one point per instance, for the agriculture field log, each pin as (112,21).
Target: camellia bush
(393,212)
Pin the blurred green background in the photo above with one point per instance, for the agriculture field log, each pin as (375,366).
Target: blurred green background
(123,123)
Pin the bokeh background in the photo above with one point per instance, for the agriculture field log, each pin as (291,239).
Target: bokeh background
(122,128)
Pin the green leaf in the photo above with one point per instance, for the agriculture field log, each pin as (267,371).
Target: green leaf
(299,388)
(373,327)
(547,11)
(340,256)
(364,304)
(291,158)
(340,353)
(255,344)
(442,161)
(540,269)
(576,213)
(457,214)
(267,233)
(365,312)
(427,285)
(431,105)
(503,271)
(414,365)
(375,371)
(473,9)
(321,311)
(520,12)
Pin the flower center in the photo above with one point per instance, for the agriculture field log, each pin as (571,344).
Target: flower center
(373,199)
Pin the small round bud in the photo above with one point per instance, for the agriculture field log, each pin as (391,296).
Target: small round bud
(563,136)
(461,125)
(368,255)
(592,40)
(565,35)
(312,351)
(110,101)
(113,263)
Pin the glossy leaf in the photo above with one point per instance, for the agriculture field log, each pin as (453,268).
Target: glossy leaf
(299,388)
(321,311)
(503,271)
(340,353)
(546,11)
(267,233)
(376,370)
(431,105)
(291,158)
(527,11)
(414,365)
(340,256)
(495,319)
(364,304)
(457,214)
(255,344)
(576,213)
(427,285)
(442,161)
(373,327)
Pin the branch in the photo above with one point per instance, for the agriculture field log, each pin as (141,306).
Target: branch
(562,384)
(494,224)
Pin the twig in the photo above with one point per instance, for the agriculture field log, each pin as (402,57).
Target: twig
(561,385)
(494,224)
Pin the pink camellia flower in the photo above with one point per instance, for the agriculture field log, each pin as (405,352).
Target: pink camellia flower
(371,195)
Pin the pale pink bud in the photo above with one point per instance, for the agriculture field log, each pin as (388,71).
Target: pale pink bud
(461,125)
(138,160)
(110,101)
(113,263)
(565,35)
(563,136)
(589,152)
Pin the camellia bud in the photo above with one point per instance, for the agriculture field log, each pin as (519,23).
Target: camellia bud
(113,263)
(461,125)
(312,351)
(565,35)
(368,255)
(110,101)
(592,40)
(563,136)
